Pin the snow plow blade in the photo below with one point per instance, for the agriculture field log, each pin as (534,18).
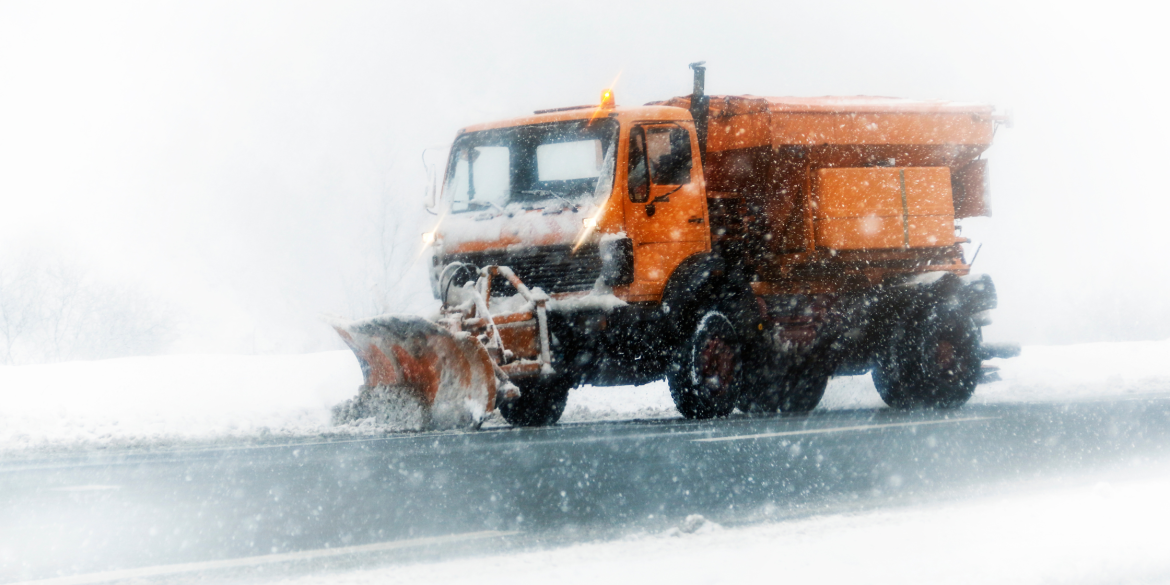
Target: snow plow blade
(409,363)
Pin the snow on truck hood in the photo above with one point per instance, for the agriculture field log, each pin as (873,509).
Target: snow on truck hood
(514,226)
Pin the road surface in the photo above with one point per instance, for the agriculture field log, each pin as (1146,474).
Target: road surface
(252,511)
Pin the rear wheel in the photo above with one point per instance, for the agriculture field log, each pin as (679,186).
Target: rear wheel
(707,371)
(541,402)
(931,362)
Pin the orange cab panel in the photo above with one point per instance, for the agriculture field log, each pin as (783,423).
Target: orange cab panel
(654,263)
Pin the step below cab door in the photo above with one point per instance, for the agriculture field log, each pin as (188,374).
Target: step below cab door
(666,207)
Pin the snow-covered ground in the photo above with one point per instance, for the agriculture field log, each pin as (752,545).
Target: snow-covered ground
(156,400)
(1100,529)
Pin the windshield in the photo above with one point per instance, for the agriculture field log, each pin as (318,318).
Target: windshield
(528,164)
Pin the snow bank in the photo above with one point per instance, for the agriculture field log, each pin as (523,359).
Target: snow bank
(211,397)
(592,403)
(1096,532)
(1080,372)
(153,399)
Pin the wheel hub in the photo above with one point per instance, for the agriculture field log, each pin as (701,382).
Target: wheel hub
(717,362)
(946,357)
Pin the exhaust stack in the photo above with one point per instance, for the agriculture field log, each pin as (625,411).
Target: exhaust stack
(699,107)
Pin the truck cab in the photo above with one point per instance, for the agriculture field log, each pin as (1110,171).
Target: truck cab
(545,194)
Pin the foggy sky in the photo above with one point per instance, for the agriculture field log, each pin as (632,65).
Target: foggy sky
(234,159)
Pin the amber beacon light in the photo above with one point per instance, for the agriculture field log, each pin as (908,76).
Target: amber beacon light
(607,99)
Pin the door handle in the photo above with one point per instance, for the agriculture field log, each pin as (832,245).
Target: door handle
(695,220)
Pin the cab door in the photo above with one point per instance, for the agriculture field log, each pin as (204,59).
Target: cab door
(666,207)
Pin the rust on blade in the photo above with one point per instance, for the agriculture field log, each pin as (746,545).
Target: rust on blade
(418,372)
(452,375)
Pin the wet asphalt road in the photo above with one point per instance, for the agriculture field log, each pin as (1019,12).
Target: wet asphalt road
(80,514)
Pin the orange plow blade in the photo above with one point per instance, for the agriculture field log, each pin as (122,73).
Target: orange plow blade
(447,377)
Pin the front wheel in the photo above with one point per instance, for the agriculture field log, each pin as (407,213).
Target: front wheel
(932,362)
(706,375)
(541,402)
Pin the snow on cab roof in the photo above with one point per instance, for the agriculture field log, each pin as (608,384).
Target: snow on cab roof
(650,111)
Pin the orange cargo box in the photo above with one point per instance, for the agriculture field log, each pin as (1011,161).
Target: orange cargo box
(869,208)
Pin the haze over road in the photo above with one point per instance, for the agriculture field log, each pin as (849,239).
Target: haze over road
(279,506)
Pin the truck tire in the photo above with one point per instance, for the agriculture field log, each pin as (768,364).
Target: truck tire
(706,375)
(931,362)
(541,403)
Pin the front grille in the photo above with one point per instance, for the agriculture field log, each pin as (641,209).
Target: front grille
(553,269)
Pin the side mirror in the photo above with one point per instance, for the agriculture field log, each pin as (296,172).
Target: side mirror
(434,183)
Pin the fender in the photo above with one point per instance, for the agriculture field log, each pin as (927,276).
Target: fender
(977,293)
(703,280)
(691,284)
(965,295)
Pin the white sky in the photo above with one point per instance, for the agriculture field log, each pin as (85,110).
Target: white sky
(231,158)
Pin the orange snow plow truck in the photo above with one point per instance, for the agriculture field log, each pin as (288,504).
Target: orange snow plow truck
(744,248)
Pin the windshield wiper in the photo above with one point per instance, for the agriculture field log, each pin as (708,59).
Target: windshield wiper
(545,193)
(483,204)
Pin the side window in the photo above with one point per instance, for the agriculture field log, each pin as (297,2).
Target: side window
(639,180)
(669,151)
(479,178)
(489,172)
(457,183)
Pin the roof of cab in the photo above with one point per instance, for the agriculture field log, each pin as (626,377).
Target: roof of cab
(585,113)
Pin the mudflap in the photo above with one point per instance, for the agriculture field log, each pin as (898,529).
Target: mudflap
(408,359)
